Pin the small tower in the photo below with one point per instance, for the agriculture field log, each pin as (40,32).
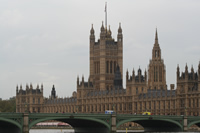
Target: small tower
(119,35)
(127,75)
(16,89)
(103,32)
(186,72)
(199,72)
(156,71)
(42,88)
(177,73)
(133,75)
(53,92)
(92,36)
(77,81)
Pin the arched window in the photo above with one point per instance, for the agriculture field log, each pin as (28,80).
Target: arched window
(115,66)
(107,66)
(156,53)
(107,88)
(111,67)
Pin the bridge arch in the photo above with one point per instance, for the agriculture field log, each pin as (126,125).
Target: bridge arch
(79,123)
(13,125)
(154,124)
(197,122)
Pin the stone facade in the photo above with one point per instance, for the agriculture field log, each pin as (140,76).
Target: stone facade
(29,100)
(104,91)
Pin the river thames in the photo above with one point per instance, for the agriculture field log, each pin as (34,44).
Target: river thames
(72,131)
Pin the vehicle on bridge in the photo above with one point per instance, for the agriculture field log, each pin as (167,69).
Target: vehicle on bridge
(109,112)
(146,113)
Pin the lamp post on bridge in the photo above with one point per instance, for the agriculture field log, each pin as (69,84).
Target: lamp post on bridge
(26,107)
(185,111)
(113,107)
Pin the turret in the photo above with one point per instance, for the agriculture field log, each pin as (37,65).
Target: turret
(16,89)
(92,36)
(145,75)
(119,35)
(31,86)
(37,86)
(20,87)
(177,72)
(127,75)
(156,48)
(77,80)
(82,79)
(199,72)
(53,92)
(133,75)
(109,33)
(102,34)
(42,87)
(186,72)
(139,74)
(27,87)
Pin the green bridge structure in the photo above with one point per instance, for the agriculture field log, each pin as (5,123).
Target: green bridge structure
(96,123)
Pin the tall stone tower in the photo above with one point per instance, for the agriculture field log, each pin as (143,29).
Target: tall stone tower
(156,70)
(105,55)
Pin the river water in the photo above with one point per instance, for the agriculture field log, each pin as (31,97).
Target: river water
(72,131)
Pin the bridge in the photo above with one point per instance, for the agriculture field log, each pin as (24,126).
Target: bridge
(98,123)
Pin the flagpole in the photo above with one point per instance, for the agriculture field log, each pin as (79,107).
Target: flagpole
(106,15)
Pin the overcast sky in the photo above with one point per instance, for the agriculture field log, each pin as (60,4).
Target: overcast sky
(47,41)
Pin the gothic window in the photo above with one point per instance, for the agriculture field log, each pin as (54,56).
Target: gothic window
(160,74)
(156,53)
(111,87)
(136,90)
(193,102)
(33,100)
(154,105)
(154,73)
(189,103)
(38,100)
(142,89)
(38,110)
(149,105)
(136,106)
(140,105)
(124,106)
(130,106)
(111,67)
(197,102)
(107,66)
(98,70)
(107,88)
(115,66)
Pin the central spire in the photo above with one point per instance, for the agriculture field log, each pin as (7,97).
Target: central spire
(156,38)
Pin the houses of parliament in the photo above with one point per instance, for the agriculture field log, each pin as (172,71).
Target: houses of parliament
(103,89)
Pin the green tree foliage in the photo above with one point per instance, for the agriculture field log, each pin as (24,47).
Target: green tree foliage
(8,105)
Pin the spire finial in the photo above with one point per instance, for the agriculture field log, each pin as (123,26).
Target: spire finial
(156,38)
(106,15)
